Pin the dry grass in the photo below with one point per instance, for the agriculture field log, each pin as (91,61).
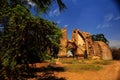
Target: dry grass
(74,65)
(103,62)
(82,67)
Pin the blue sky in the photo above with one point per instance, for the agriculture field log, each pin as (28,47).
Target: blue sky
(94,16)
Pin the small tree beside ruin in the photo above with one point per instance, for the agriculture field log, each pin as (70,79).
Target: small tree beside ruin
(99,37)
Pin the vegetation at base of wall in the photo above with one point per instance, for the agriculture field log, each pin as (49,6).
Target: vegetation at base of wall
(116,53)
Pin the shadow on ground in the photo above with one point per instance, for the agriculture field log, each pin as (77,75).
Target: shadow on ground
(44,73)
(118,78)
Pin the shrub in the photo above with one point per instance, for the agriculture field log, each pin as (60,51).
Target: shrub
(116,53)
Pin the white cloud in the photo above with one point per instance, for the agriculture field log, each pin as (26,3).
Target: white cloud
(31,3)
(109,17)
(50,13)
(54,12)
(66,25)
(74,1)
(114,43)
(100,26)
(117,18)
(58,22)
(106,25)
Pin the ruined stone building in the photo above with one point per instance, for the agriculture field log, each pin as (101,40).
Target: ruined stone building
(82,43)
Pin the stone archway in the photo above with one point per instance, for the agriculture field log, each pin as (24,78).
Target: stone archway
(81,44)
(72,47)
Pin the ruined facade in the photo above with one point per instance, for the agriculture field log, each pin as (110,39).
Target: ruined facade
(80,43)
(63,43)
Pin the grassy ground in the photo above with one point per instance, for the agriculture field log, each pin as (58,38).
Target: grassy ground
(73,65)
(82,67)
(73,69)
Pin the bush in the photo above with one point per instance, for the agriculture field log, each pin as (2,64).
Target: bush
(116,53)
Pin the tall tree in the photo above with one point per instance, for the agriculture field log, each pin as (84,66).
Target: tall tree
(24,36)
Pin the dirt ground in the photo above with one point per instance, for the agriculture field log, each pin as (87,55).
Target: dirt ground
(109,72)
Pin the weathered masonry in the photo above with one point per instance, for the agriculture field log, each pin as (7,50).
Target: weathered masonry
(82,43)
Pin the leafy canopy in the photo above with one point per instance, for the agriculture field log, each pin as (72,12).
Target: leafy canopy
(24,38)
(100,37)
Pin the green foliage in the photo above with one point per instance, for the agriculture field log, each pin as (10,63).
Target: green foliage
(99,37)
(25,39)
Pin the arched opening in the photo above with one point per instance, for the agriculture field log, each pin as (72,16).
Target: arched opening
(71,49)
